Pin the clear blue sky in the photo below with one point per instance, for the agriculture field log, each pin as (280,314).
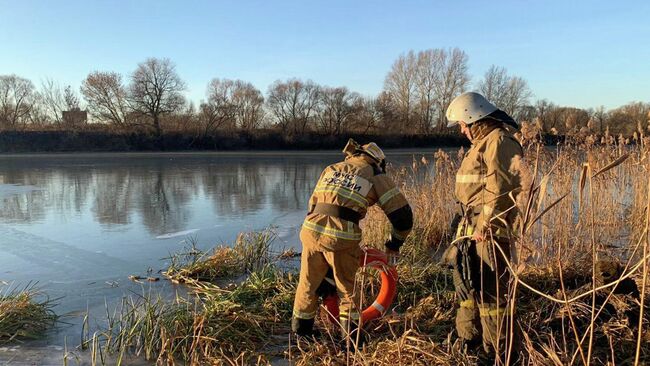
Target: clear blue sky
(582,53)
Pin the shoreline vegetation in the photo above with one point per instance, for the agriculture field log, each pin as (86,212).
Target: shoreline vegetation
(24,315)
(99,140)
(580,278)
(560,261)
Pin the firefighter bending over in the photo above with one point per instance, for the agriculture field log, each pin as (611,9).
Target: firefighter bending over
(330,234)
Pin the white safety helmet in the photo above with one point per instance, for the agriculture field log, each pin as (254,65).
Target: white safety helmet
(468,107)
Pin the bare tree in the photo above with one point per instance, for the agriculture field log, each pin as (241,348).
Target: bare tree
(366,117)
(387,113)
(218,111)
(455,79)
(52,100)
(599,117)
(16,100)
(574,119)
(71,99)
(106,96)
(550,117)
(293,103)
(562,120)
(509,93)
(630,118)
(230,105)
(55,101)
(527,113)
(422,85)
(401,84)
(156,90)
(543,106)
(185,120)
(38,115)
(429,76)
(249,104)
(336,108)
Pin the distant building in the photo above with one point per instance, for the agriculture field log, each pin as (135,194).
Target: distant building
(75,117)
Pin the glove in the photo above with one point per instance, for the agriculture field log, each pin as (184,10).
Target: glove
(449,256)
(392,250)
(393,244)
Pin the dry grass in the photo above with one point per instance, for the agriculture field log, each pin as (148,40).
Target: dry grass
(22,317)
(578,208)
(250,252)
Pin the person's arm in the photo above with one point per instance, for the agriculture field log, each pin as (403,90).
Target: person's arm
(396,208)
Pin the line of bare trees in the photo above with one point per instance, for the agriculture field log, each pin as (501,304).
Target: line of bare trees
(417,90)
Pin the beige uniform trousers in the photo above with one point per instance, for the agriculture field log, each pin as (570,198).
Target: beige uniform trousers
(314,264)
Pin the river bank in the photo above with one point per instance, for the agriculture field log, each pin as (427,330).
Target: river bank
(115,141)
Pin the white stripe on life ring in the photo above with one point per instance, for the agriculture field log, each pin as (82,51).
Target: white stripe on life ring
(378,306)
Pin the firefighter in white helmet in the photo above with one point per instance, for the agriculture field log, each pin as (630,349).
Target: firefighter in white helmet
(487,184)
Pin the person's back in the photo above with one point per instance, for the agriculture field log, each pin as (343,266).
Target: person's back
(352,186)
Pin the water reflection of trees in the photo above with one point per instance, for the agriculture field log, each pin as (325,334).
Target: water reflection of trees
(235,188)
(292,190)
(23,207)
(112,197)
(160,191)
(163,202)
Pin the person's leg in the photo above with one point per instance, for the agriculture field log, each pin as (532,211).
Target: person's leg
(494,308)
(468,325)
(313,268)
(345,264)
(327,292)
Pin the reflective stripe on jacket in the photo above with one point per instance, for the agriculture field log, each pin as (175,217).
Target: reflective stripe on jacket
(488,181)
(355,183)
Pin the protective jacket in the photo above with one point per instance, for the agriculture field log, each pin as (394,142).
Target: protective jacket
(342,197)
(488,181)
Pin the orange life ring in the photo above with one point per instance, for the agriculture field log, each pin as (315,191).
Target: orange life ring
(377,259)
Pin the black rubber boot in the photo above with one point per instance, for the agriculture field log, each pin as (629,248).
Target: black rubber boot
(302,327)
